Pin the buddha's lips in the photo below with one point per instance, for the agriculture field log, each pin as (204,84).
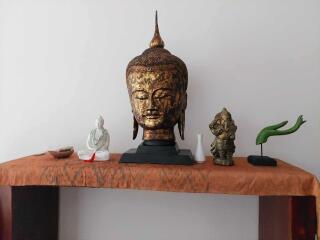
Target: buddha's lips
(152,116)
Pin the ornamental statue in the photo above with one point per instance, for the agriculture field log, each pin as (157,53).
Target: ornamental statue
(98,138)
(157,83)
(224,129)
(97,144)
(269,131)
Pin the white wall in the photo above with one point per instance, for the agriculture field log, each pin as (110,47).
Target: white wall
(63,62)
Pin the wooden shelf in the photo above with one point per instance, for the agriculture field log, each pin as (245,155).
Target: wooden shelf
(29,196)
(243,178)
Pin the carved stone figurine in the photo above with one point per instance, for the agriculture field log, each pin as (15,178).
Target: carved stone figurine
(97,143)
(224,129)
(98,139)
(157,86)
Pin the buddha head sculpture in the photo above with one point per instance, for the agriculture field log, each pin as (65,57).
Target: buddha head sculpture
(157,83)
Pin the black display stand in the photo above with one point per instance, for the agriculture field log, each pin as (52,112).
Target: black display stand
(158,152)
(262,160)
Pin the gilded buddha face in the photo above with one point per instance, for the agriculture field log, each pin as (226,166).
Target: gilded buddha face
(157,99)
(157,84)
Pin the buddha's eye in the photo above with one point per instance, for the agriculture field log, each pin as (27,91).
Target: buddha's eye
(162,93)
(141,95)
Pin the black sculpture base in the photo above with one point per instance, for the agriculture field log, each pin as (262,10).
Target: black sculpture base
(158,152)
(262,160)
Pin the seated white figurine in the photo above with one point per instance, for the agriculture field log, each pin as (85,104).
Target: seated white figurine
(98,142)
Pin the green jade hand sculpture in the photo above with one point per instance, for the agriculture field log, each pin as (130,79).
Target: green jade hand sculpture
(270,131)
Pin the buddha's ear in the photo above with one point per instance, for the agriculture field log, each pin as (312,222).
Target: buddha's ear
(181,124)
(135,128)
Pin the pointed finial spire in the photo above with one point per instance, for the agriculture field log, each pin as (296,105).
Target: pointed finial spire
(156,40)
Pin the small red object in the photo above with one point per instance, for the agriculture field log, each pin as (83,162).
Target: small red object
(92,158)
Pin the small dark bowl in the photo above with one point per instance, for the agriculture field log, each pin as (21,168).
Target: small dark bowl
(62,153)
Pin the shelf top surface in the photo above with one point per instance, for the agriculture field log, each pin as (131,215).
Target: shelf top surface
(241,179)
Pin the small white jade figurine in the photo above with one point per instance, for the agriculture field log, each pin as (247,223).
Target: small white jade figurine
(98,142)
(98,139)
